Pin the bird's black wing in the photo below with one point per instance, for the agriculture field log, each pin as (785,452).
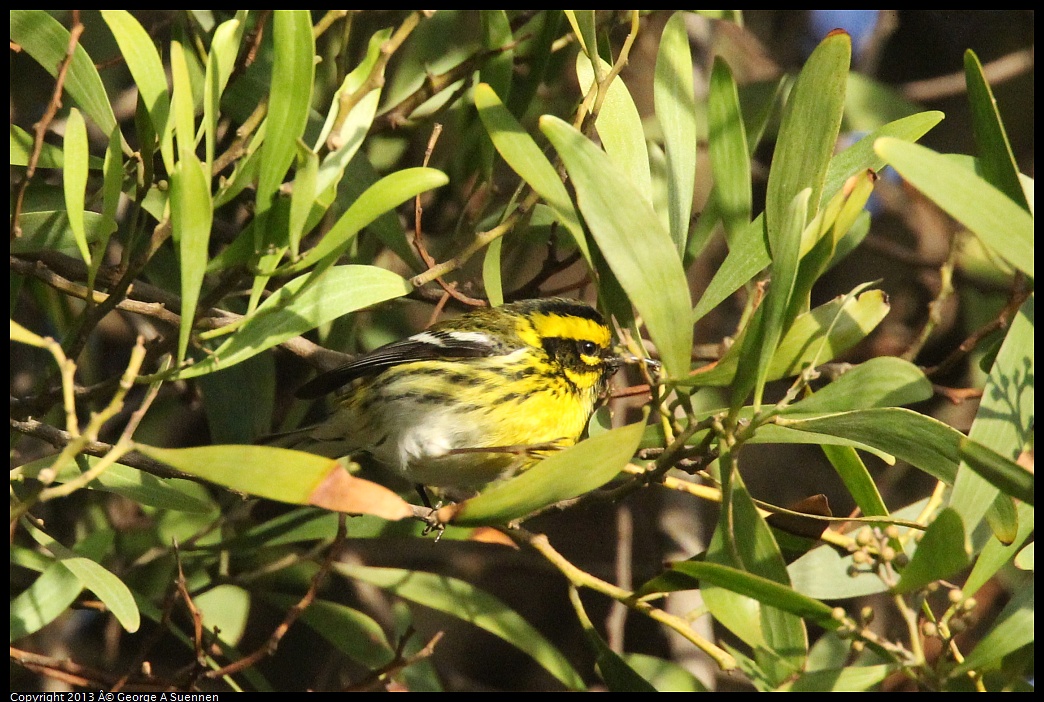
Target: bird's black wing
(427,345)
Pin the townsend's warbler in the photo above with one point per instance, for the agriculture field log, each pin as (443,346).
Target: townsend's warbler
(471,399)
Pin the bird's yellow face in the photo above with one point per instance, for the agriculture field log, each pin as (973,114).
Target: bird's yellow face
(571,344)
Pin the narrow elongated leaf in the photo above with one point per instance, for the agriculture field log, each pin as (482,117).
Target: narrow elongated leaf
(293,69)
(109,589)
(620,128)
(1005,419)
(352,131)
(496,36)
(1013,629)
(191,214)
(1004,473)
(75,179)
(921,441)
(284,475)
(51,230)
(785,244)
(688,574)
(995,156)
(744,540)
(852,679)
(749,255)
(39,604)
(21,147)
(729,152)
(129,482)
(561,476)
(294,309)
(885,381)
(809,128)
(940,553)
(383,196)
(145,66)
(843,322)
(220,62)
(47,41)
(183,107)
(466,602)
(996,554)
(520,152)
(857,479)
(636,245)
(675,101)
(352,632)
(1000,223)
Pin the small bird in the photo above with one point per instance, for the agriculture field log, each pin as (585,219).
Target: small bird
(470,400)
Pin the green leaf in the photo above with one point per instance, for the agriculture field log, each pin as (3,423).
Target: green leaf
(634,242)
(619,128)
(1004,421)
(290,98)
(857,479)
(825,574)
(729,152)
(749,255)
(220,61)
(38,605)
(47,41)
(183,106)
(303,195)
(996,555)
(109,589)
(583,24)
(353,130)
(885,381)
(862,156)
(498,71)
(145,66)
(21,147)
(301,305)
(785,244)
(744,540)
(850,679)
(842,322)
(665,676)
(1003,473)
(688,574)
(464,601)
(74,177)
(940,553)
(225,609)
(284,475)
(383,196)
(995,157)
(675,102)
(42,231)
(520,152)
(134,484)
(921,441)
(351,632)
(191,215)
(808,131)
(561,476)
(1012,630)
(996,220)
